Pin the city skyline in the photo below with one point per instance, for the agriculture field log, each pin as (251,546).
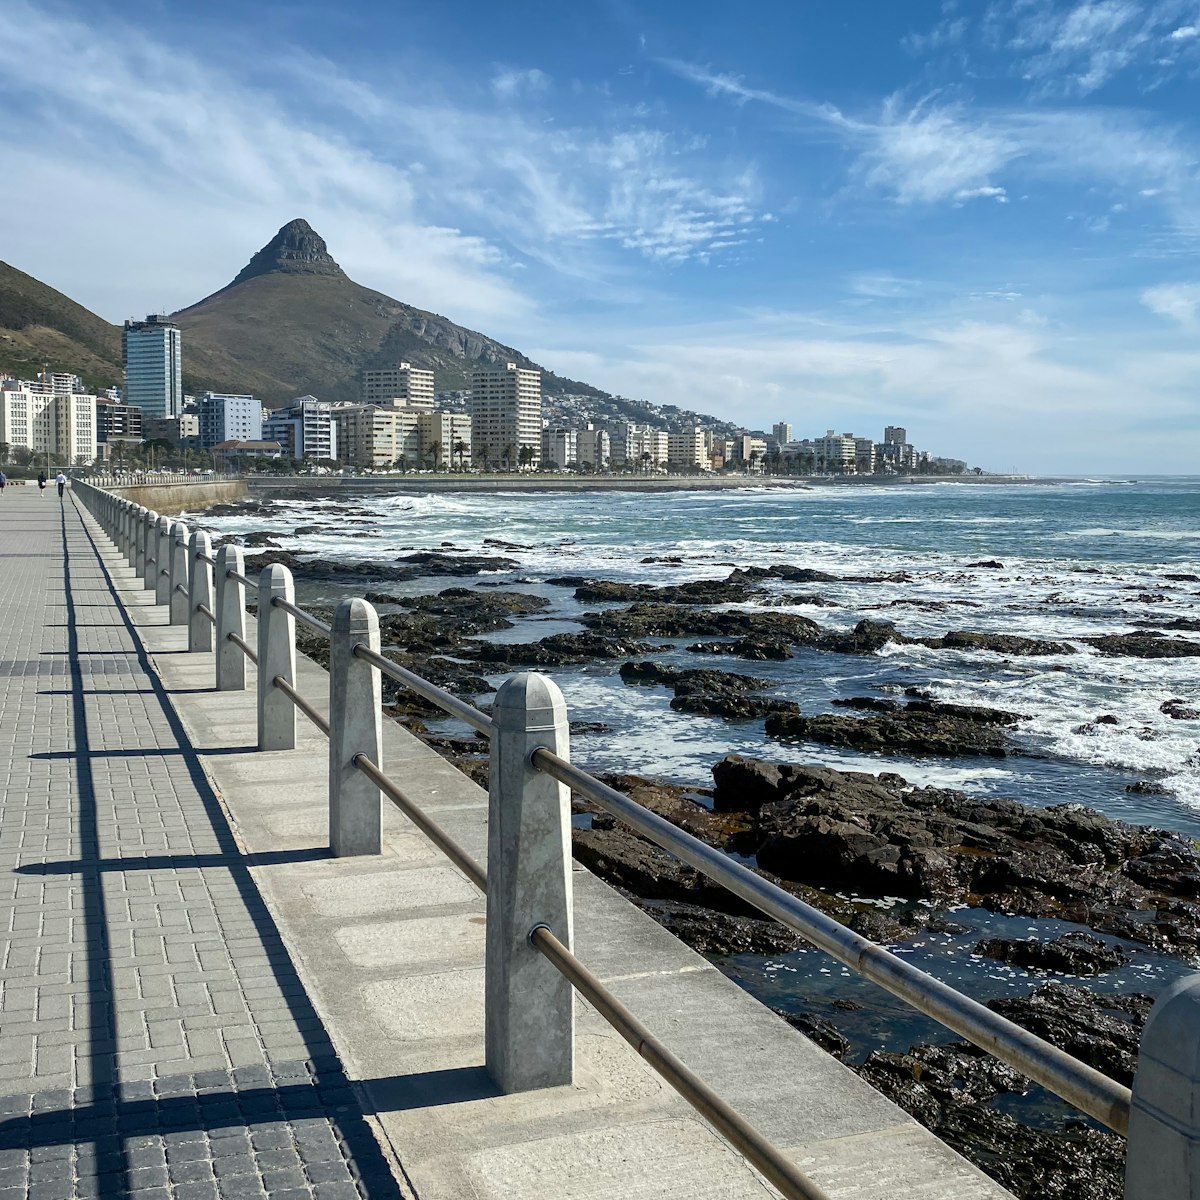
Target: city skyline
(980,222)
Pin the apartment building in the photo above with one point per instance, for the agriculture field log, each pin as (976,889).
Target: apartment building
(506,417)
(560,446)
(593,447)
(835,452)
(370,435)
(445,439)
(305,428)
(183,429)
(688,449)
(59,426)
(401,386)
(781,431)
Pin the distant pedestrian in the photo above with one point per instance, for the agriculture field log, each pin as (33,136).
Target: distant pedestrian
(61,480)
(42,482)
(3,482)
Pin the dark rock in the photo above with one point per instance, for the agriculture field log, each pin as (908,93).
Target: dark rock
(866,637)
(997,643)
(430,562)
(1182,577)
(690,680)
(817,1029)
(712,932)
(867,703)
(560,649)
(1170,866)
(908,731)
(1147,787)
(702,591)
(1179,710)
(733,708)
(754,649)
(1108,719)
(1071,953)
(670,620)
(1144,644)
(990,563)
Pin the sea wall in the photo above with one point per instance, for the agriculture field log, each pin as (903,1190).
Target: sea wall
(170,499)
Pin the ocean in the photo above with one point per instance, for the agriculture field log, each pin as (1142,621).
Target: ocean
(1076,559)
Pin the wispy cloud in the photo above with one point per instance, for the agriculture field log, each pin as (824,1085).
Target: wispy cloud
(1177,301)
(508,83)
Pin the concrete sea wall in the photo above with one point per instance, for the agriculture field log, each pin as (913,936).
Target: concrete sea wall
(170,499)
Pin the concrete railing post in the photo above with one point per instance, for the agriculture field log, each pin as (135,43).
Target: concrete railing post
(149,523)
(355,727)
(127,519)
(200,628)
(162,560)
(529,1023)
(1163,1151)
(276,658)
(179,574)
(231,618)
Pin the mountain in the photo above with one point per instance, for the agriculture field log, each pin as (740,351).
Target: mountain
(39,325)
(293,321)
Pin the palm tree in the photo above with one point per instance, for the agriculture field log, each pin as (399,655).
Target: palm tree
(527,456)
(646,458)
(401,463)
(507,457)
(460,448)
(434,454)
(484,454)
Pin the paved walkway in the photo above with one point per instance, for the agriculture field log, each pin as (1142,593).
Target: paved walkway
(154,1037)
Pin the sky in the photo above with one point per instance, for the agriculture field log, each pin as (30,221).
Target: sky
(980,221)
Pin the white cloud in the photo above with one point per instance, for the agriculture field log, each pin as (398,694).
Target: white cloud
(1185,33)
(508,83)
(1177,301)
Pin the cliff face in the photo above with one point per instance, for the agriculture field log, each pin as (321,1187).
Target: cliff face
(292,321)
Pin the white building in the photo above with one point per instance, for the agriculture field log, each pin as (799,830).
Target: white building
(506,417)
(59,427)
(153,355)
(305,429)
(781,431)
(401,386)
(864,456)
(370,435)
(560,446)
(835,452)
(226,418)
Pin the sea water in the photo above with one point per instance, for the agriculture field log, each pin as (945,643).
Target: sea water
(1077,559)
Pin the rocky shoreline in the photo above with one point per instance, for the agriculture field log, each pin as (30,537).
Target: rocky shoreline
(844,841)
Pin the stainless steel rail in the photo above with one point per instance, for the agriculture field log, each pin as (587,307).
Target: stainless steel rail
(434,832)
(180,588)
(206,612)
(444,700)
(239,641)
(238,577)
(302,704)
(303,617)
(206,558)
(772,1162)
(1087,1089)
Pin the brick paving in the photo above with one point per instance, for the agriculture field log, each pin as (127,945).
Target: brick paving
(155,1040)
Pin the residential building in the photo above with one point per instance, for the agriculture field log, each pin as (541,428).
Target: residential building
(896,456)
(370,435)
(895,435)
(560,446)
(225,417)
(234,450)
(153,354)
(304,428)
(688,449)
(864,456)
(638,447)
(445,439)
(747,449)
(835,452)
(401,386)
(61,428)
(593,447)
(117,422)
(506,417)
(183,429)
(57,383)
(781,431)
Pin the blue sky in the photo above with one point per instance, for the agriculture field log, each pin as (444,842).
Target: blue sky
(980,221)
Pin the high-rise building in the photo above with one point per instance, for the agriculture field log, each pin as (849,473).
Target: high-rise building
(183,429)
(781,431)
(401,386)
(59,427)
(115,420)
(506,417)
(370,435)
(895,435)
(835,452)
(153,352)
(225,418)
(688,449)
(445,438)
(594,447)
(305,429)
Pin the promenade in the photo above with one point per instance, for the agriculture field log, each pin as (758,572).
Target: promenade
(196,1000)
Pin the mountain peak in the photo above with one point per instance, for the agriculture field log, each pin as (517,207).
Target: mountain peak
(297,249)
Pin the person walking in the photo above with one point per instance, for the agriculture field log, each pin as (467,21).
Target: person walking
(42,482)
(3,482)
(61,480)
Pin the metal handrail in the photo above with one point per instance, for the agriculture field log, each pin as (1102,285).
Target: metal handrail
(302,704)
(1089,1090)
(768,1158)
(479,721)
(206,558)
(205,611)
(180,588)
(438,836)
(302,616)
(238,577)
(240,642)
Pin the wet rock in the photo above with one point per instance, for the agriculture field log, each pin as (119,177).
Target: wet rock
(752,649)
(560,649)
(257,539)
(1179,710)
(866,637)
(1071,953)
(817,1029)
(1182,577)
(702,591)
(668,620)
(1147,787)
(693,680)
(709,693)
(722,933)
(505,545)
(733,708)
(990,563)
(1171,865)
(431,562)
(867,703)
(464,611)
(911,731)
(1144,644)
(997,643)
(783,571)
